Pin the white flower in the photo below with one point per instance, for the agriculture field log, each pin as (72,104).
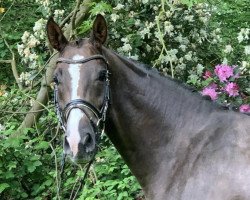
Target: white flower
(20,48)
(45,3)
(33,41)
(168,14)
(200,68)
(193,45)
(33,56)
(119,6)
(24,78)
(178,26)
(244,67)
(26,52)
(144,32)
(247,50)
(58,13)
(203,33)
(171,56)
(39,25)
(137,22)
(25,36)
(131,14)
(115,33)
(245,64)
(168,27)
(32,102)
(183,47)
(189,18)
(195,59)
(218,30)
(114,17)
(181,59)
(135,57)
(99,160)
(179,38)
(225,61)
(150,24)
(33,65)
(126,47)
(244,32)
(145,1)
(155,8)
(5,94)
(188,56)
(2,128)
(240,37)
(125,40)
(181,66)
(148,48)
(228,49)
(204,20)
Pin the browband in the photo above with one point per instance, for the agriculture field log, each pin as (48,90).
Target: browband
(83,60)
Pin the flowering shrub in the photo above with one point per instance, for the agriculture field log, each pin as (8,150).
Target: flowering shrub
(181,41)
(31,48)
(222,84)
(169,35)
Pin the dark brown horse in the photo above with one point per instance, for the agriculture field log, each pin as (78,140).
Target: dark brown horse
(177,144)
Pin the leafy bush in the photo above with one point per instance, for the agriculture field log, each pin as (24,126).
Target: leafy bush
(186,41)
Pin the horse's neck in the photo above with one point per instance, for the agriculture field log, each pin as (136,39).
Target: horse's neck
(141,124)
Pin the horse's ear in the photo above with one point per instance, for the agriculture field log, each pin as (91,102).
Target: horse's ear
(99,32)
(55,35)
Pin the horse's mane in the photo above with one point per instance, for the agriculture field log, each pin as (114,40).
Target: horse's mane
(145,69)
(191,90)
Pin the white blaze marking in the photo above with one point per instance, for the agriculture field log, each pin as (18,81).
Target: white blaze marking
(75,114)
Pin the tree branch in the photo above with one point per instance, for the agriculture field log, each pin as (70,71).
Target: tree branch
(6,61)
(73,18)
(13,65)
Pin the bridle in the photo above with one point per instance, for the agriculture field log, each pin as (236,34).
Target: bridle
(83,105)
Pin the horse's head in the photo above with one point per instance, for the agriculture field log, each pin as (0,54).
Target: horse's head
(81,91)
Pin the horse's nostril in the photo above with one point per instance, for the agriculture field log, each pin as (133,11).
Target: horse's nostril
(88,142)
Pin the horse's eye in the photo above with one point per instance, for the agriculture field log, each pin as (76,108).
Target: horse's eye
(55,79)
(102,75)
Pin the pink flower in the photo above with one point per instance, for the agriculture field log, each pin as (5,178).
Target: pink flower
(213,86)
(232,89)
(207,74)
(245,108)
(223,72)
(209,91)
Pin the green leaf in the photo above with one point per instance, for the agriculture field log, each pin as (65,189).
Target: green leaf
(42,145)
(31,168)
(122,195)
(37,163)
(9,174)
(3,186)
(193,79)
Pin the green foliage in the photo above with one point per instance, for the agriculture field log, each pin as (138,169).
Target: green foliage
(24,166)
(190,3)
(96,8)
(16,25)
(183,40)
(114,180)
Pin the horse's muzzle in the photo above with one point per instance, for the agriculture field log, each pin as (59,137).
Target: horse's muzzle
(80,150)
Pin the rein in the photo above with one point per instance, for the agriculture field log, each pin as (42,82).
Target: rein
(63,113)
